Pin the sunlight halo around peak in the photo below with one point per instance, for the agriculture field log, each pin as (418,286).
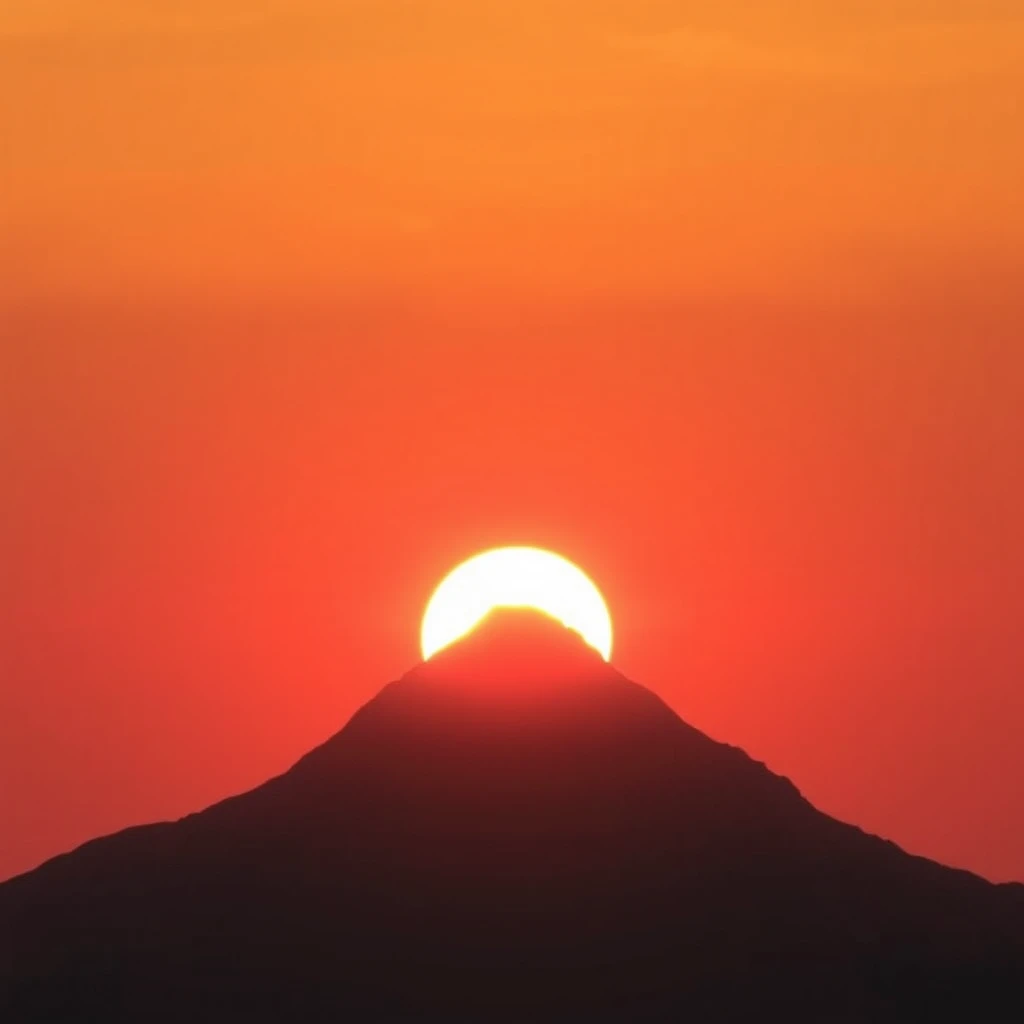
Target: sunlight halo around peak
(515,577)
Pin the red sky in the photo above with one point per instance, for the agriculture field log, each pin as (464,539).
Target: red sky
(301,304)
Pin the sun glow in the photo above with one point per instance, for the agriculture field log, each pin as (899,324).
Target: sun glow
(515,578)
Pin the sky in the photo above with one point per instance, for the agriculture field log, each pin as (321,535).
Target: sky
(301,304)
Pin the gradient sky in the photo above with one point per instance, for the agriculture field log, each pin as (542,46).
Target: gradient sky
(303,303)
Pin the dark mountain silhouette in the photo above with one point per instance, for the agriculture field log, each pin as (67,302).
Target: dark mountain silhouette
(511,832)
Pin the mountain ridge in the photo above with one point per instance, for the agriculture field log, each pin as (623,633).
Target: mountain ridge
(512,830)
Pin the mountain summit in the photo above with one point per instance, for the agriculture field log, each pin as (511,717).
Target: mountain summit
(515,832)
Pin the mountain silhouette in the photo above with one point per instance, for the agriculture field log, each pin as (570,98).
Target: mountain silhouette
(511,832)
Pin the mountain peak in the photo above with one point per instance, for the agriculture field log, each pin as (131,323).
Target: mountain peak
(519,648)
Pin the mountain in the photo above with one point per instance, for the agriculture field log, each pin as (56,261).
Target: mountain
(511,832)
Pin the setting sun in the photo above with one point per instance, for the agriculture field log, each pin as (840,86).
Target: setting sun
(516,577)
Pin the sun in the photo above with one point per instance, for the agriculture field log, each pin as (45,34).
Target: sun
(518,577)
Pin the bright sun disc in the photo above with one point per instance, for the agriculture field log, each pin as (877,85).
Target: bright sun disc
(516,578)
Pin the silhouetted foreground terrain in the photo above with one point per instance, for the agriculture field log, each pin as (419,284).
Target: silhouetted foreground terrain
(511,832)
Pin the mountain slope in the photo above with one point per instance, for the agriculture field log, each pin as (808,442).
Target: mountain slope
(512,831)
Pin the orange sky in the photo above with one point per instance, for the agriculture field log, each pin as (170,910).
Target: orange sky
(301,303)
